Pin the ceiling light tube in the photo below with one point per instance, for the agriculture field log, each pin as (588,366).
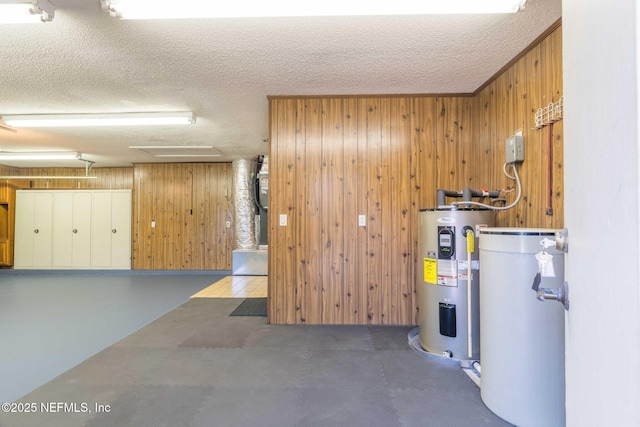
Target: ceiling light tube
(186,155)
(25,12)
(172,147)
(106,119)
(153,9)
(56,155)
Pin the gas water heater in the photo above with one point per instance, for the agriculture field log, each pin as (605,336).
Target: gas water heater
(448,285)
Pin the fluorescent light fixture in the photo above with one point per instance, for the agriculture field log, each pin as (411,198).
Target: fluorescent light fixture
(36,155)
(162,9)
(24,12)
(107,119)
(171,147)
(187,155)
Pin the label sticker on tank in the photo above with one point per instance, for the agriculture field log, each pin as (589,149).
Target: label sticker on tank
(447,272)
(480,227)
(430,270)
(464,276)
(475,264)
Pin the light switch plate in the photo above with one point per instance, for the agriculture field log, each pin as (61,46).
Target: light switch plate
(362,220)
(283,220)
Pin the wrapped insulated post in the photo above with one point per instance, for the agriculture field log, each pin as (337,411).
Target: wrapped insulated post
(243,188)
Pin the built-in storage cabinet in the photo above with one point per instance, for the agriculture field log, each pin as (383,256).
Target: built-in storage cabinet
(73,229)
(111,230)
(34,217)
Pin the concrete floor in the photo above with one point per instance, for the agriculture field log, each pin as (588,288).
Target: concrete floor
(53,320)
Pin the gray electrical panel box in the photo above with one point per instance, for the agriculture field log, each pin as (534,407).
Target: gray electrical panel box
(515,149)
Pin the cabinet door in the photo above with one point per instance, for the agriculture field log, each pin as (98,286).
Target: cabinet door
(24,236)
(101,230)
(43,207)
(81,249)
(62,229)
(33,229)
(121,230)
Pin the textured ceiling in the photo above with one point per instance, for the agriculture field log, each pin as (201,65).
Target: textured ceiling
(224,69)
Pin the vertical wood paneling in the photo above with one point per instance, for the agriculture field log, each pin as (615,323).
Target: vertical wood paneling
(401,279)
(386,215)
(276,297)
(315,275)
(189,204)
(508,104)
(374,210)
(107,178)
(362,250)
(298,177)
(332,221)
(385,157)
(351,284)
(282,170)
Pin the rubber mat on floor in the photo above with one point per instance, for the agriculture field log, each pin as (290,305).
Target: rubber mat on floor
(251,307)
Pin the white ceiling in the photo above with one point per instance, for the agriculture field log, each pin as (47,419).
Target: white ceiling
(223,70)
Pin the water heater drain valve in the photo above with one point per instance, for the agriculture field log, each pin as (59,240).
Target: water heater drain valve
(561,295)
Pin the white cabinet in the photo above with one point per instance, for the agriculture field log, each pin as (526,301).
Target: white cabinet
(32,248)
(73,229)
(111,230)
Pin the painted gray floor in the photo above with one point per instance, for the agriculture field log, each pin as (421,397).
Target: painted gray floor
(51,321)
(198,366)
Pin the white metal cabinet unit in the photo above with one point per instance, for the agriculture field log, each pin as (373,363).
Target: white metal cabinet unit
(71,243)
(88,229)
(111,230)
(32,248)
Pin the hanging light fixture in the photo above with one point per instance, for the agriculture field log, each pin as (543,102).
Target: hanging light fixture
(22,12)
(106,119)
(38,155)
(158,9)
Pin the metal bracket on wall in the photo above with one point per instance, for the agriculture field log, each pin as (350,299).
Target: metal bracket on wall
(88,165)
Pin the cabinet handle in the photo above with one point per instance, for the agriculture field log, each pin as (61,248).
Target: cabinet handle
(114,231)
(36,231)
(75,230)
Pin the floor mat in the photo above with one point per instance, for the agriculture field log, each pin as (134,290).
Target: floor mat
(251,307)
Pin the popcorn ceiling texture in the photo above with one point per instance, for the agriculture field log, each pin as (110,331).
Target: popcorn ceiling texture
(223,70)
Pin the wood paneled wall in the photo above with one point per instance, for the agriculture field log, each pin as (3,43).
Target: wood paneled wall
(336,158)
(509,103)
(107,178)
(190,204)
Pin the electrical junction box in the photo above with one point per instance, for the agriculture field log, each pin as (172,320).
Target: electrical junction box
(515,149)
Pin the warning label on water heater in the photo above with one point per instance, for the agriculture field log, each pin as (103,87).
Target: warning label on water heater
(441,272)
(447,272)
(430,270)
